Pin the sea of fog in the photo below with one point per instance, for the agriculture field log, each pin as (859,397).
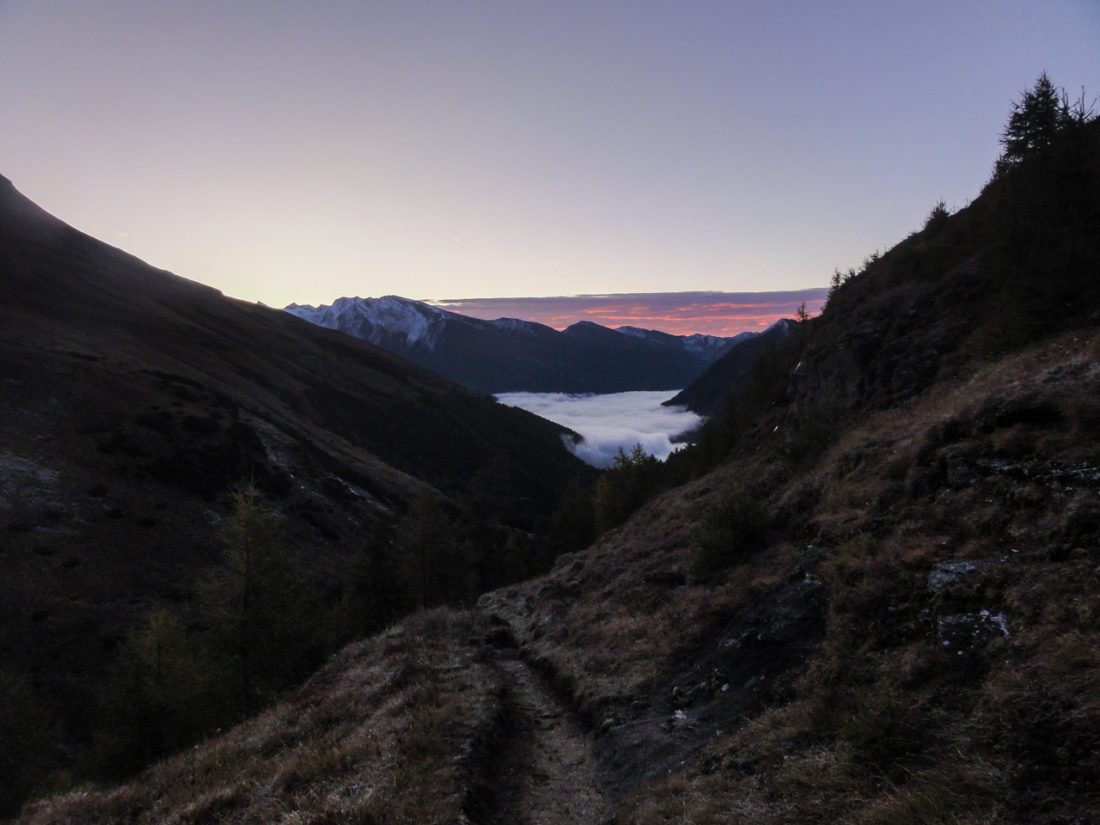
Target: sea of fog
(612,421)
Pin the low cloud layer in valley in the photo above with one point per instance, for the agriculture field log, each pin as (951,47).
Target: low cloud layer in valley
(610,422)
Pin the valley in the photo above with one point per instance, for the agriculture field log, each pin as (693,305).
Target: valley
(610,423)
(257,570)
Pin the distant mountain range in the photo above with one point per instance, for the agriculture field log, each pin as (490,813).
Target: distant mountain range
(511,355)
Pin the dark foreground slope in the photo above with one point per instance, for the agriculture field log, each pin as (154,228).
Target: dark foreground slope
(133,401)
(890,619)
(913,640)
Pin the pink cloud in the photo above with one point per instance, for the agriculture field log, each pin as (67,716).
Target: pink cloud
(680,313)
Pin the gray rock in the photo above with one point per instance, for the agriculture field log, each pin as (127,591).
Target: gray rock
(961,631)
(946,573)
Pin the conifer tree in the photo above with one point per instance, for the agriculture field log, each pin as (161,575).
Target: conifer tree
(256,603)
(1033,124)
(434,568)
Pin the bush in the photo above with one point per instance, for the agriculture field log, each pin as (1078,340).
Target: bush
(817,427)
(884,728)
(937,216)
(728,534)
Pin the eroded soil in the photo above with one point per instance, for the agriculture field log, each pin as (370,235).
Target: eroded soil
(548,775)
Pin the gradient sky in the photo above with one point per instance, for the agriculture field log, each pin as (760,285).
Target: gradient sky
(290,151)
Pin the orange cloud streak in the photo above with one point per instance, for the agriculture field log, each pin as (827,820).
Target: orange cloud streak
(713,313)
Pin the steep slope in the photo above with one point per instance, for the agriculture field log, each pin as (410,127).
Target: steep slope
(132,401)
(510,355)
(392,730)
(882,607)
(728,377)
(914,637)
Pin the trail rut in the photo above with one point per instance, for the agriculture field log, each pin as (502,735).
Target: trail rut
(548,775)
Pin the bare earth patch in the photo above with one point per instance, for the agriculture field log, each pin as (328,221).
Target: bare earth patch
(548,774)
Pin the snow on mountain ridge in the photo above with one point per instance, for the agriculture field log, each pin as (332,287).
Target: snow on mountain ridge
(389,315)
(633,332)
(380,320)
(399,317)
(515,325)
(701,343)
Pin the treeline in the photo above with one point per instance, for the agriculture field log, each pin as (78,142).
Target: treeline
(259,622)
(263,618)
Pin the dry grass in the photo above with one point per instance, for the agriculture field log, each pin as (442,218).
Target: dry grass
(883,724)
(384,734)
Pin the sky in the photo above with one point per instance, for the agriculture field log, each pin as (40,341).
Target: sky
(611,422)
(298,152)
(680,313)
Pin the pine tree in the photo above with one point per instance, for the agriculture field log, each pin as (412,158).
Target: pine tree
(434,567)
(1034,123)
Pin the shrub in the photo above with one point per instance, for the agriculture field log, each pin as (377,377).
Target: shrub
(23,730)
(937,216)
(728,534)
(884,728)
(816,429)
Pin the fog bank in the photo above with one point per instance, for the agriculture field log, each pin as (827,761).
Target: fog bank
(608,423)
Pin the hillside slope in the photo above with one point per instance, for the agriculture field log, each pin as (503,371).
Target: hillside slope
(132,401)
(510,355)
(914,640)
(727,377)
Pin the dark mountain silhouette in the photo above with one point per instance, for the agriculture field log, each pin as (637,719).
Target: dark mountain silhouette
(510,355)
(132,401)
(724,380)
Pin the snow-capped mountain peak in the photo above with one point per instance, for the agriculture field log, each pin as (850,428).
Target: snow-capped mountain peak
(515,325)
(709,343)
(510,354)
(376,319)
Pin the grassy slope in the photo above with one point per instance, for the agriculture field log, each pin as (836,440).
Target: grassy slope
(389,732)
(845,709)
(873,718)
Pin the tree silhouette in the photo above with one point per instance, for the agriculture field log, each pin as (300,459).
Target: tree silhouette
(1034,123)
(256,603)
(435,570)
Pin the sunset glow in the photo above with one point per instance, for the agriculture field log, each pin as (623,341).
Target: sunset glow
(678,313)
(285,153)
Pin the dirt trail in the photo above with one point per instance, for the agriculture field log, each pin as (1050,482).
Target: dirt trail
(548,775)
